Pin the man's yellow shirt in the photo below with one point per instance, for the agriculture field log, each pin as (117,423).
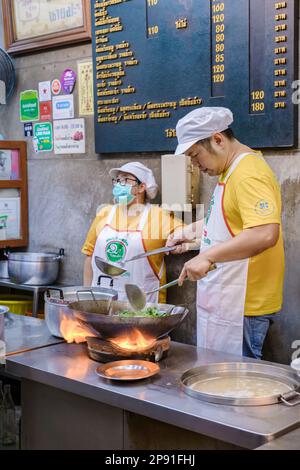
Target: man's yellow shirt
(159,225)
(252,198)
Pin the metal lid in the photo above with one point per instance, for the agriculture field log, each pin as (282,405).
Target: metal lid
(71,293)
(33,257)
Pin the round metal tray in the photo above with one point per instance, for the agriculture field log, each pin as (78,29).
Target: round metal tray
(243,370)
(128,370)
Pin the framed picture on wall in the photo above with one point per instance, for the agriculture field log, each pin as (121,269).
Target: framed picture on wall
(33,25)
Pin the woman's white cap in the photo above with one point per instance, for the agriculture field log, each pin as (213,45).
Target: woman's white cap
(201,124)
(141,172)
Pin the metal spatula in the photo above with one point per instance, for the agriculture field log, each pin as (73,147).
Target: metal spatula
(113,270)
(137,297)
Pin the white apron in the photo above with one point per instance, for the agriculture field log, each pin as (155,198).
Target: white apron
(114,246)
(221,294)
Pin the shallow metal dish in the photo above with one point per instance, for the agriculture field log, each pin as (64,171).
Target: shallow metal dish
(253,370)
(128,370)
(101,318)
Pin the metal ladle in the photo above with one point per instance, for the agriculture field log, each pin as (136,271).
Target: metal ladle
(137,297)
(113,270)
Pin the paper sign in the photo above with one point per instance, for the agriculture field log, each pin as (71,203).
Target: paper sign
(29,106)
(46,111)
(10,207)
(43,137)
(56,86)
(45,91)
(85,88)
(63,107)
(68,80)
(28,129)
(69,136)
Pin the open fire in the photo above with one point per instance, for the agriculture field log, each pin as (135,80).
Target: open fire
(133,341)
(73,332)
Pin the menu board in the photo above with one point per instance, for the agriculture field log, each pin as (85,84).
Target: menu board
(156,60)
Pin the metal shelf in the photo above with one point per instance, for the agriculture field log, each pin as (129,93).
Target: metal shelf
(37,290)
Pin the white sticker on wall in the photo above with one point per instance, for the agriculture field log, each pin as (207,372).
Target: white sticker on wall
(63,107)
(69,136)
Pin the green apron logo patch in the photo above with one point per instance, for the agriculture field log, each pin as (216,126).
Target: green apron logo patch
(115,251)
(211,205)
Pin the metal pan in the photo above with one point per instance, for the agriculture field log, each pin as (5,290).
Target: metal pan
(128,370)
(101,318)
(202,383)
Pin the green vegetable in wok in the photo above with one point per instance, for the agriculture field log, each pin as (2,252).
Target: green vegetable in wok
(146,312)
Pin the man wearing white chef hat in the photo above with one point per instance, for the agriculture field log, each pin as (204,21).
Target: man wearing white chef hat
(241,234)
(128,228)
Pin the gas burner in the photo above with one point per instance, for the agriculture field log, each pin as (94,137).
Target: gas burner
(105,351)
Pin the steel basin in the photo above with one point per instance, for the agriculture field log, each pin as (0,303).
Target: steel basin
(252,370)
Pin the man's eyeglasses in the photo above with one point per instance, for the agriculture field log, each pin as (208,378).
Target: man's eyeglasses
(124,181)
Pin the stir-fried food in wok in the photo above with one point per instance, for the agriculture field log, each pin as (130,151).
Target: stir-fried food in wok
(146,312)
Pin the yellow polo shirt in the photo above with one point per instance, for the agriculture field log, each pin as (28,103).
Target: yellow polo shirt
(252,198)
(159,225)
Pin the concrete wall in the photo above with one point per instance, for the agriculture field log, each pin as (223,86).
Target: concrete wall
(64,192)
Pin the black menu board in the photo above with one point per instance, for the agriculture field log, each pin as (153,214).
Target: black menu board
(157,60)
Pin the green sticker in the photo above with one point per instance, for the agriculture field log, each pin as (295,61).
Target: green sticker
(43,137)
(29,106)
(115,251)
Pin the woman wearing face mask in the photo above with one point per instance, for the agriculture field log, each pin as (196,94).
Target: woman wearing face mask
(130,227)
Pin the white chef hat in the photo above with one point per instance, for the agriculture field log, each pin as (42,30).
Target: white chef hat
(201,124)
(142,173)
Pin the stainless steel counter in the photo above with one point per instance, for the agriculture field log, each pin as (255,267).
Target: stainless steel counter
(290,441)
(25,333)
(68,368)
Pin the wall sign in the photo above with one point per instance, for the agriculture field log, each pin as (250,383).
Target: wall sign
(85,88)
(31,25)
(63,107)
(68,80)
(46,111)
(56,86)
(43,137)
(69,136)
(29,106)
(28,129)
(45,91)
(153,64)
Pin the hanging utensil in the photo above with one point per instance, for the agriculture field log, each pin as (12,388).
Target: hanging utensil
(113,270)
(137,297)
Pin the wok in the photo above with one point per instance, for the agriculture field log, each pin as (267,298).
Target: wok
(101,318)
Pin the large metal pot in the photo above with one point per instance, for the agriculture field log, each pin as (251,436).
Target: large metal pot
(35,269)
(57,303)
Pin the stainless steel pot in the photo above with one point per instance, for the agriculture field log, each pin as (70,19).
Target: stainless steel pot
(37,269)
(4,269)
(3,312)
(57,303)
